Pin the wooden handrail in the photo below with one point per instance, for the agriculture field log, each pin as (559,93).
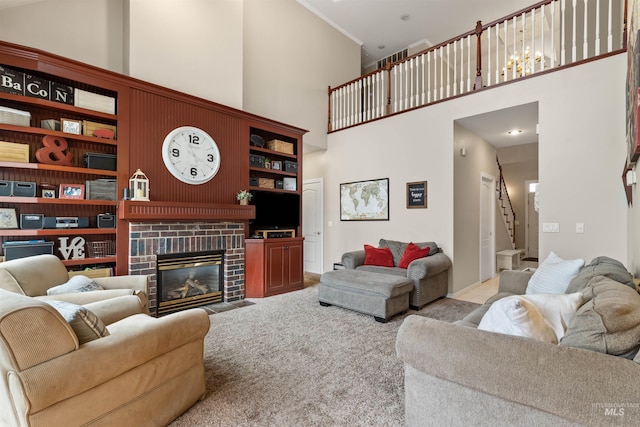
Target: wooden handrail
(349,102)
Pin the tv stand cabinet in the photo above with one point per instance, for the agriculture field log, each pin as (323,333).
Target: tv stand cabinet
(273,266)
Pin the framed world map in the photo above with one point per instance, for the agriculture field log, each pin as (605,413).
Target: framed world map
(365,200)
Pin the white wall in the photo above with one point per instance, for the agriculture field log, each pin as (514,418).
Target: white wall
(581,153)
(193,46)
(89,31)
(290,58)
(480,159)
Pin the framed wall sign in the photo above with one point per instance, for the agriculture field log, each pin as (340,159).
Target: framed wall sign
(416,194)
(8,218)
(365,200)
(71,191)
(71,126)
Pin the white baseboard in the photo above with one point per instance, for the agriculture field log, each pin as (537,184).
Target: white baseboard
(462,291)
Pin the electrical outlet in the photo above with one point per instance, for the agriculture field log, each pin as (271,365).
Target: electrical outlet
(579,227)
(550,227)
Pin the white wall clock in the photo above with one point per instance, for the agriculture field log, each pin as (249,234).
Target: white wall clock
(191,155)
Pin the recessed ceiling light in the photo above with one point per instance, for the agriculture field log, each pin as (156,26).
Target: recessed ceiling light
(381,46)
(405,17)
(515,132)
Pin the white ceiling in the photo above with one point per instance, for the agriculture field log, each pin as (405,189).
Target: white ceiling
(375,23)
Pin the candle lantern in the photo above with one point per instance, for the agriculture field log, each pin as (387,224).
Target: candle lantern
(139,186)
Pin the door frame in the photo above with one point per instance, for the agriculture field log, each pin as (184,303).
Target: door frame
(485,177)
(526,216)
(320,181)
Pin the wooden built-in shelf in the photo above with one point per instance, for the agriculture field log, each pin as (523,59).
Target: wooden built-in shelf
(71,169)
(273,190)
(42,131)
(273,171)
(101,260)
(57,106)
(55,201)
(58,232)
(266,151)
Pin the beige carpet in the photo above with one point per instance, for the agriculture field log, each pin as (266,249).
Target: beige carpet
(287,361)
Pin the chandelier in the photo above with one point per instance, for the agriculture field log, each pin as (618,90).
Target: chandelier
(522,62)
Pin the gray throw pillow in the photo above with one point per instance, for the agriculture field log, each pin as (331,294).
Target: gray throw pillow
(609,322)
(75,284)
(85,324)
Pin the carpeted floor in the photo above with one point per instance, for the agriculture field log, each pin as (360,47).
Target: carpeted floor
(287,361)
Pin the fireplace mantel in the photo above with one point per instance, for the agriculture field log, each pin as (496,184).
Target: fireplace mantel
(177,211)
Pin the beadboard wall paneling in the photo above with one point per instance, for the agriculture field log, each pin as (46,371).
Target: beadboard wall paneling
(153,116)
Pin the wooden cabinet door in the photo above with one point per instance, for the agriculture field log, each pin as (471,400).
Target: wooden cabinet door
(294,264)
(276,260)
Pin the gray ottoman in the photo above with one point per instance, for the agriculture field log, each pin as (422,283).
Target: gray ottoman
(380,295)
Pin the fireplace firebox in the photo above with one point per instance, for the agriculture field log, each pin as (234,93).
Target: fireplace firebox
(188,280)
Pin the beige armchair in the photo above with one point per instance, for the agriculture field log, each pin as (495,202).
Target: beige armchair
(33,276)
(145,372)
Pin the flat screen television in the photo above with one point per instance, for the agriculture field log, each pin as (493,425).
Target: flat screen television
(276,210)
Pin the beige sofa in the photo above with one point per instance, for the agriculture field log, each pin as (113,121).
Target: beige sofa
(110,364)
(33,276)
(456,374)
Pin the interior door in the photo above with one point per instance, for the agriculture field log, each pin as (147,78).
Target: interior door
(532,227)
(312,224)
(487,212)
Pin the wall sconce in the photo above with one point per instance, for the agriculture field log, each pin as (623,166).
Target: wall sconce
(139,186)
(463,152)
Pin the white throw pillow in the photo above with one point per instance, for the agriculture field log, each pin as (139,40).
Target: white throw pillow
(515,315)
(557,309)
(77,283)
(553,275)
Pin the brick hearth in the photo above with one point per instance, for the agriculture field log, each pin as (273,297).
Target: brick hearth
(148,239)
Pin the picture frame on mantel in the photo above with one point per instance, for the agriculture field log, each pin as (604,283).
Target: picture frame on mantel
(417,195)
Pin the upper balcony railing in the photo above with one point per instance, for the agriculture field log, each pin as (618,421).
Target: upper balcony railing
(546,36)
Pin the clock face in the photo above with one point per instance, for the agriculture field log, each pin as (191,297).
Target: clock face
(191,155)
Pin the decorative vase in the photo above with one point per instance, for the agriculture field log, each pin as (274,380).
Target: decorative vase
(244,201)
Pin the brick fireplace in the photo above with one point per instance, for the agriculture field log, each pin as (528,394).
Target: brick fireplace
(157,228)
(147,240)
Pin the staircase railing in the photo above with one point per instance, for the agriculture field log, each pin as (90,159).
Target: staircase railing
(547,36)
(508,214)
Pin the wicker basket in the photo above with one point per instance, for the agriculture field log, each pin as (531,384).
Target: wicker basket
(101,248)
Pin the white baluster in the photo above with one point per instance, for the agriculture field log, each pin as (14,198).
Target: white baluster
(395,92)
(429,76)
(542,32)
(515,47)
(585,42)
(610,29)
(553,32)
(455,67)
(573,34)
(441,73)
(468,63)
(448,73)
(524,66)
(382,100)
(597,42)
(405,80)
(506,44)
(533,41)
(562,30)
(423,77)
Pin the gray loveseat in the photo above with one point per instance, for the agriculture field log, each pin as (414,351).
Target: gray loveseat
(456,374)
(430,274)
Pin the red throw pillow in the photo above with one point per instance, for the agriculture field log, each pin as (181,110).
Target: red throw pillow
(378,256)
(412,252)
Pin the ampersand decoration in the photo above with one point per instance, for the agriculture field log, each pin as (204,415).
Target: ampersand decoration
(53,151)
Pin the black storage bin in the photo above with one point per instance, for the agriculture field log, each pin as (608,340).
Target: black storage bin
(24,249)
(5,188)
(279,184)
(256,160)
(290,166)
(254,182)
(23,189)
(108,162)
